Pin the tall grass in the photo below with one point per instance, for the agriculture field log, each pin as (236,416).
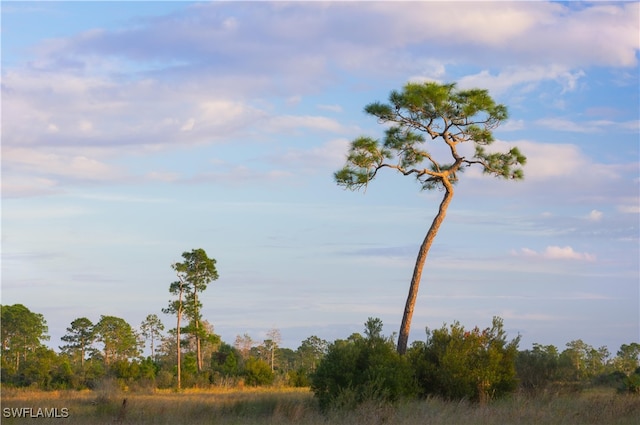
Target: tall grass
(297,406)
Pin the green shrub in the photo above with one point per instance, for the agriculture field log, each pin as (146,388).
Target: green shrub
(612,379)
(298,378)
(227,361)
(537,368)
(258,372)
(458,364)
(362,369)
(631,383)
(165,379)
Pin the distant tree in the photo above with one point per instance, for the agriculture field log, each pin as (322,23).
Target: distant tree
(439,111)
(22,333)
(628,358)
(373,329)
(148,369)
(243,344)
(151,329)
(287,359)
(166,359)
(305,360)
(227,361)
(209,341)
(271,344)
(178,288)
(118,339)
(537,367)
(597,359)
(311,351)
(95,369)
(197,271)
(79,338)
(573,360)
(40,369)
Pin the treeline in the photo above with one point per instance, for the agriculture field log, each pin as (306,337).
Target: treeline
(112,348)
(189,355)
(452,362)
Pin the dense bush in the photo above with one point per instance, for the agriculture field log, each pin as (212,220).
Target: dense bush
(458,364)
(227,361)
(631,383)
(298,378)
(361,369)
(258,372)
(537,368)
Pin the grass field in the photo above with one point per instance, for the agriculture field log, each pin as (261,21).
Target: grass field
(297,406)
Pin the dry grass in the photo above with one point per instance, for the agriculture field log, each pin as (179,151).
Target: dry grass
(297,406)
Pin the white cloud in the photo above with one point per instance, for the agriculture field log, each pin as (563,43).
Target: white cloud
(595,215)
(37,162)
(561,175)
(524,32)
(631,207)
(482,23)
(589,126)
(297,40)
(90,111)
(188,125)
(225,113)
(331,154)
(108,88)
(230,24)
(556,253)
(553,161)
(527,77)
(512,125)
(285,123)
(432,71)
(26,186)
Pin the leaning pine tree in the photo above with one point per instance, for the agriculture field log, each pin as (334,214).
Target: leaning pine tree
(443,113)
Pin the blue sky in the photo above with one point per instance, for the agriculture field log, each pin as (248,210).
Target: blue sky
(132,132)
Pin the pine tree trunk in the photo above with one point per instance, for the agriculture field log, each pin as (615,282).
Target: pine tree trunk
(403,338)
(198,352)
(178,336)
(196,317)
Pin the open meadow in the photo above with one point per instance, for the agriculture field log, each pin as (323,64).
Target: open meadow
(298,406)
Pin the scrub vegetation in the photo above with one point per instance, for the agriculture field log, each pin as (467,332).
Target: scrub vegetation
(454,376)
